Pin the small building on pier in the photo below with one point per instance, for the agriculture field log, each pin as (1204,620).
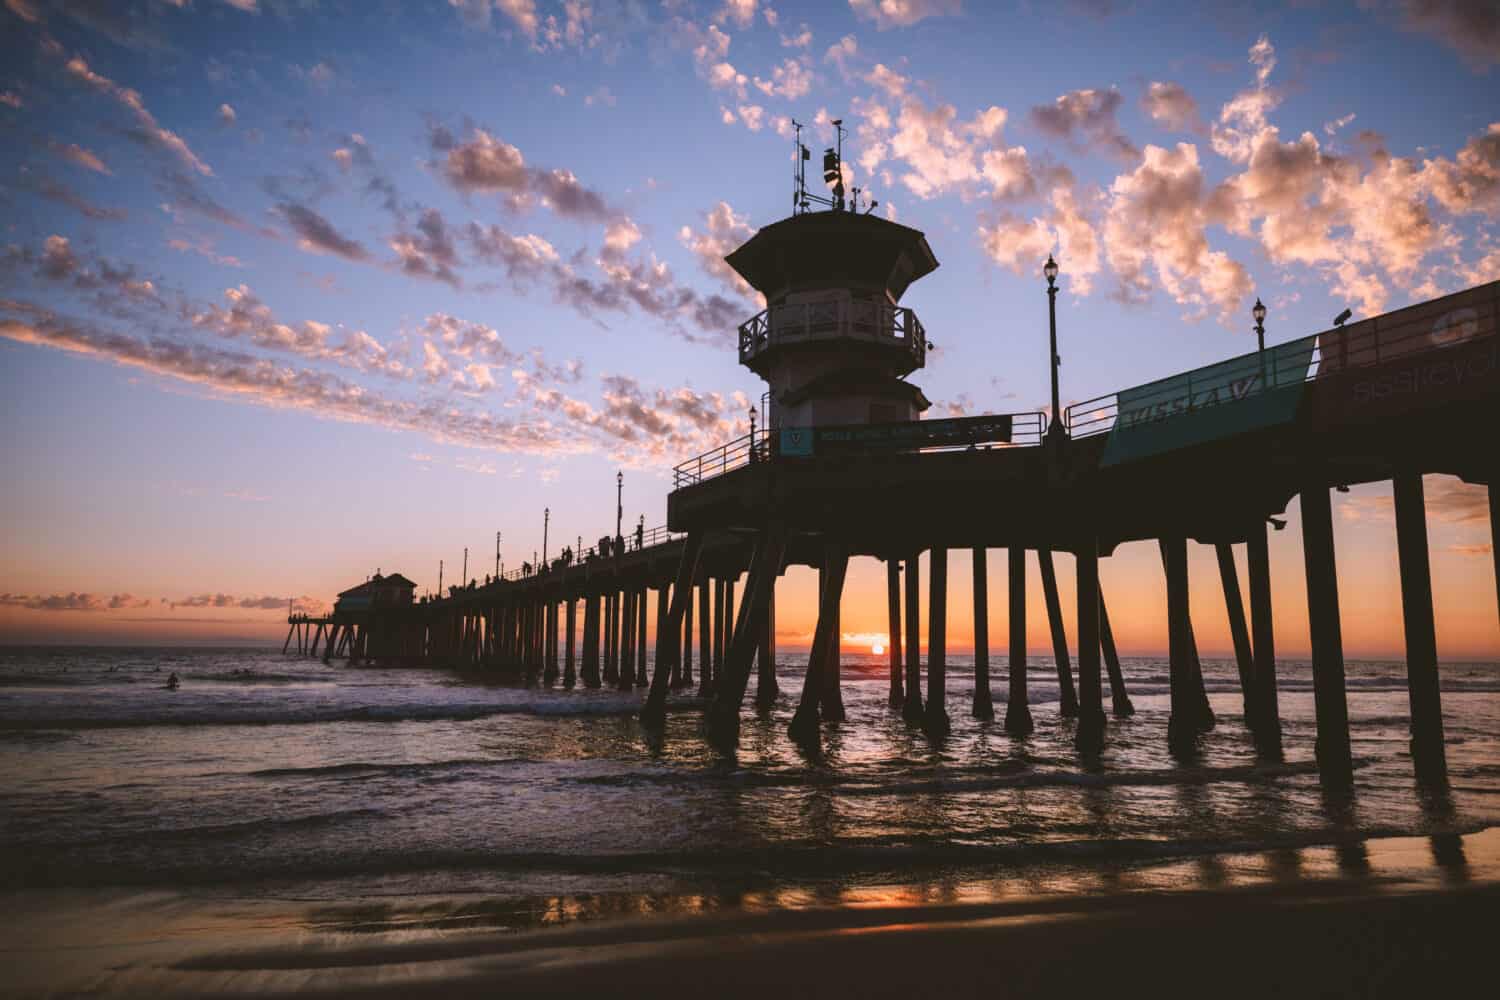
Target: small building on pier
(378,591)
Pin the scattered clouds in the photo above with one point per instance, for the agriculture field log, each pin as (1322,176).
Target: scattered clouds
(1471,27)
(484,164)
(1169,105)
(790,80)
(431,251)
(799,39)
(1474,549)
(1156,224)
(316,234)
(148,130)
(723,232)
(77,155)
(1086,118)
(902,13)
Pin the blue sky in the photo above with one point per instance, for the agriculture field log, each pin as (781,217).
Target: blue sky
(289,291)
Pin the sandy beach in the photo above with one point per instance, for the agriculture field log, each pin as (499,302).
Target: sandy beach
(1373,918)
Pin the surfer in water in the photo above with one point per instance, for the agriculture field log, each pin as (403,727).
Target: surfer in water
(172,681)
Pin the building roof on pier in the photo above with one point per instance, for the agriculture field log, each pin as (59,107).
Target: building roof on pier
(378,582)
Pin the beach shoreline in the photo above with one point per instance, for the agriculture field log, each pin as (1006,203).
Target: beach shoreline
(1365,917)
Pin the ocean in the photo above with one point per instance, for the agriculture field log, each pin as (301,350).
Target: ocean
(273,777)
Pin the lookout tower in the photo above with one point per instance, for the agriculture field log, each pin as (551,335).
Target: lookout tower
(834,344)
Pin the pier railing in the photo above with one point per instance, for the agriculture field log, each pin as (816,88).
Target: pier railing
(720,460)
(802,322)
(1430,326)
(1006,430)
(633,542)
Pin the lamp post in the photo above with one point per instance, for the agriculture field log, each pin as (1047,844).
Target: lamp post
(1049,270)
(1258,311)
(619,503)
(464,582)
(546,520)
(752,433)
(497,555)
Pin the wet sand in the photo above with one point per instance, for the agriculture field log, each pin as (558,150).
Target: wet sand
(1378,917)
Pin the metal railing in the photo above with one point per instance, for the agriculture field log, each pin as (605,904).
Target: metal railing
(605,548)
(739,452)
(1427,327)
(801,322)
(1026,431)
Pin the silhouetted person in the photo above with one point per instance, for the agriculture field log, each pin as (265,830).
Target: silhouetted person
(172,682)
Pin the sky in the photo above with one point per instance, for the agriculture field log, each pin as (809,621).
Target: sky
(296,290)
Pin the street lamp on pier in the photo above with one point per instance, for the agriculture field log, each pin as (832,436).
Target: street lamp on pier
(1258,311)
(1049,270)
(546,520)
(619,503)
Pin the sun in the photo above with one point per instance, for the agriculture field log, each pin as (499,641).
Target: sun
(876,648)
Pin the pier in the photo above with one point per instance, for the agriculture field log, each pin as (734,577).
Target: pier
(845,467)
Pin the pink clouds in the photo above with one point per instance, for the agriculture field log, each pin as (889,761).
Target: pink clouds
(1156,224)
(148,130)
(1086,117)
(902,13)
(1170,105)
(723,232)
(485,164)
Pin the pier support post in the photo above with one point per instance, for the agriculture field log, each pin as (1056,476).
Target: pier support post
(1119,700)
(1334,759)
(685,636)
(626,679)
(612,636)
(766,685)
(641,680)
(984,705)
(724,714)
(1067,698)
(705,639)
(912,711)
(1191,713)
(833,693)
(1239,632)
(1258,563)
(1495,532)
(667,650)
(669,631)
(550,621)
(804,725)
(289,633)
(1185,721)
(570,623)
(1421,634)
(893,627)
(729,622)
(1090,735)
(590,670)
(718,660)
(1017,709)
(935,722)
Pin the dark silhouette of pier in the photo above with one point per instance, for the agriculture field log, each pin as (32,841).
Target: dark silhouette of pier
(845,468)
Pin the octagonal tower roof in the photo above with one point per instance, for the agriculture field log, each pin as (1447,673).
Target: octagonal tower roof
(831,249)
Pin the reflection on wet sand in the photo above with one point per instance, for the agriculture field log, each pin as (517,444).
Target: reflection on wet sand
(1401,863)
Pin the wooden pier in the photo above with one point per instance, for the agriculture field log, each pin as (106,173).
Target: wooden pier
(1210,456)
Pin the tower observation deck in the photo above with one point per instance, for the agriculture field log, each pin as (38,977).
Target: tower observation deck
(834,344)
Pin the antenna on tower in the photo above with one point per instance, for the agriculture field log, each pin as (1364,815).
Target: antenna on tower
(833,174)
(801,155)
